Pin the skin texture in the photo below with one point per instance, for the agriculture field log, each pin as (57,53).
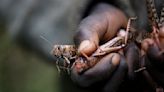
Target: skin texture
(99,27)
(132,58)
(150,45)
(153,50)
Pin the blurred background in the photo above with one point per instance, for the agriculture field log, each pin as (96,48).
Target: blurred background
(26,64)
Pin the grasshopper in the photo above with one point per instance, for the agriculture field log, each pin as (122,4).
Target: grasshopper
(67,54)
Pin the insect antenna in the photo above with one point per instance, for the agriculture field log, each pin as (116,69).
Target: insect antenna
(46,40)
(57,66)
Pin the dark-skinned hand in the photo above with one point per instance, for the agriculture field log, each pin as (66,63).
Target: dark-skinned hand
(99,27)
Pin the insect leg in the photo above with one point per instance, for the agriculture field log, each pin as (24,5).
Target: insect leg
(67,60)
(57,66)
(85,56)
(128,28)
(108,50)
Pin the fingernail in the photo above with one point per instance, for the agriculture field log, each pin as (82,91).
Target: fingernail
(84,44)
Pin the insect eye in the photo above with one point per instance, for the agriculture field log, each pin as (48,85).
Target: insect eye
(58,48)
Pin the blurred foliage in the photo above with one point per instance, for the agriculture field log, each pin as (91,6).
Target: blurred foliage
(24,71)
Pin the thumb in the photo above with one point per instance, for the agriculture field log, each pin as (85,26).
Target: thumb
(87,47)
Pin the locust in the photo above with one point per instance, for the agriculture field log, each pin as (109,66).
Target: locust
(67,54)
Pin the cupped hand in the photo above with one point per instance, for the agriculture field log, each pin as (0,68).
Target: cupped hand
(99,27)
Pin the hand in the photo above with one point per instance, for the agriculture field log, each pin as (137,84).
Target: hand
(99,27)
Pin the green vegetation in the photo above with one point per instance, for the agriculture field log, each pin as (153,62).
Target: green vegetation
(22,71)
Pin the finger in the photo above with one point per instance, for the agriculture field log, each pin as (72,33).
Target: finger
(102,70)
(102,25)
(132,59)
(87,36)
(87,47)
(146,74)
(117,78)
